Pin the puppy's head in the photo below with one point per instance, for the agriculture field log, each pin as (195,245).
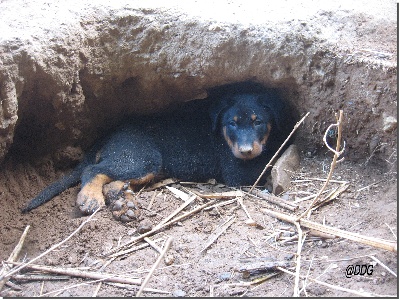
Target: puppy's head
(245,122)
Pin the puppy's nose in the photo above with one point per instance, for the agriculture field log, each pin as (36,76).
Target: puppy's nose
(246,150)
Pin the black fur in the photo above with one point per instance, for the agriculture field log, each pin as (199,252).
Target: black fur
(189,144)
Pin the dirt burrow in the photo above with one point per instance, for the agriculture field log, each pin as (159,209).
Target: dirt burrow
(67,78)
(68,74)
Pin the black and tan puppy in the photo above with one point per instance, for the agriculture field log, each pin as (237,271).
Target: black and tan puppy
(230,141)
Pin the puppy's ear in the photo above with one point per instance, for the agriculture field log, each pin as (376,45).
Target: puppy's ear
(271,101)
(217,107)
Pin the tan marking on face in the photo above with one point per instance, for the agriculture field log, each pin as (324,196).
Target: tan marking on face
(227,139)
(257,147)
(253,117)
(256,151)
(235,118)
(265,139)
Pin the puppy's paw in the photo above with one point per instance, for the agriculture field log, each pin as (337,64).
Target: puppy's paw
(89,200)
(126,208)
(121,201)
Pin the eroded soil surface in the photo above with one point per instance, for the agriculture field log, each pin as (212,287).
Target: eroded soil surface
(368,206)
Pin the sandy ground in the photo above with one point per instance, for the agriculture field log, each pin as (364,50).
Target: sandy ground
(368,206)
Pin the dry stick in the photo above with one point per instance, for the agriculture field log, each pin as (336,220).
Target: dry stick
(157,248)
(128,287)
(178,210)
(13,286)
(227,202)
(14,255)
(59,291)
(85,274)
(279,150)
(332,196)
(153,244)
(152,199)
(336,155)
(335,287)
(155,230)
(240,201)
(22,266)
(223,195)
(114,256)
(368,186)
(146,280)
(214,236)
(391,230)
(41,289)
(298,260)
(318,179)
(383,265)
(271,198)
(178,193)
(97,289)
(37,277)
(375,242)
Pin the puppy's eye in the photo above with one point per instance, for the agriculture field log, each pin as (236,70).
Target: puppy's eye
(232,123)
(257,122)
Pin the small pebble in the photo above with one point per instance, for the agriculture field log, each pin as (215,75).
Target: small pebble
(213,212)
(169,259)
(72,259)
(144,226)
(289,257)
(179,293)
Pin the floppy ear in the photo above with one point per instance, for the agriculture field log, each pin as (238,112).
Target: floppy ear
(271,101)
(217,107)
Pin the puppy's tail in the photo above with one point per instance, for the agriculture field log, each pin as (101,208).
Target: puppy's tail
(61,185)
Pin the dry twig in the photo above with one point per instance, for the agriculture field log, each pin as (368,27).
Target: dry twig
(155,230)
(97,289)
(383,265)
(130,250)
(227,202)
(223,195)
(13,256)
(38,277)
(177,211)
(214,236)
(335,287)
(375,242)
(336,155)
(146,280)
(271,198)
(279,150)
(84,274)
(22,266)
(298,259)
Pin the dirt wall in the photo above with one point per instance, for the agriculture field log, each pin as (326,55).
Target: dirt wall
(69,72)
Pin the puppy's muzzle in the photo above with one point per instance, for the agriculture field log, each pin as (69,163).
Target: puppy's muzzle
(246,150)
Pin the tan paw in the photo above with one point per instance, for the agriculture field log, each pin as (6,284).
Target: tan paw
(91,195)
